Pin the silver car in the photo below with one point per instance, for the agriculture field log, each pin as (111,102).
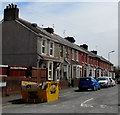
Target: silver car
(112,82)
(104,81)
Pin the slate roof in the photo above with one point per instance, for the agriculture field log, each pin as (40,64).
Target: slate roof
(105,60)
(56,38)
(97,56)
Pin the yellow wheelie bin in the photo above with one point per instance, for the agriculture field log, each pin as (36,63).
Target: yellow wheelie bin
(39,92)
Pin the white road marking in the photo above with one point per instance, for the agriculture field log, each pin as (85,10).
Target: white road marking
(54,105)
(86,105)
(103,106)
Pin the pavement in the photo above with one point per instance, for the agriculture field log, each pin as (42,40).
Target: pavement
(6,100)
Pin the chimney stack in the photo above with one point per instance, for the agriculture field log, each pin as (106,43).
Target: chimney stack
(95,52)
(49,30)
(11,12)
(70,39)
(84,46)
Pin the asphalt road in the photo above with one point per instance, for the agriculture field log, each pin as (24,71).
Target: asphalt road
(73,101)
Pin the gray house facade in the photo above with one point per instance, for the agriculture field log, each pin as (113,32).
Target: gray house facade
(19,44)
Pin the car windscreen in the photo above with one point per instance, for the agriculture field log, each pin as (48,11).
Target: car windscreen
(102,79)
(85,79)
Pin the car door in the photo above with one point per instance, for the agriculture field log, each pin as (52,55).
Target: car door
(96,83)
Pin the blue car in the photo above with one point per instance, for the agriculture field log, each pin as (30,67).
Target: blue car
(88,83)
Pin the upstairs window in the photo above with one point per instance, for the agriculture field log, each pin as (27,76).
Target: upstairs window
(51,48)
(72,54)
(66,53)
(61,51)
(43,46)
(83,57)
(76,55)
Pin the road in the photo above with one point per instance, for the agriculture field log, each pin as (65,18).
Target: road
(73,101)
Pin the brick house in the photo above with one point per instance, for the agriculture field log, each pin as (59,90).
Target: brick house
(31,45)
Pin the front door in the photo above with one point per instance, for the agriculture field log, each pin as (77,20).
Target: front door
(56,72)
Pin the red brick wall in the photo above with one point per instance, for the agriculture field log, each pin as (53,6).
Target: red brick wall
(64,84)
(80,58)
(75,82)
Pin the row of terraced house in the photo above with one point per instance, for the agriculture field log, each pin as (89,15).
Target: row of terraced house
(27,44)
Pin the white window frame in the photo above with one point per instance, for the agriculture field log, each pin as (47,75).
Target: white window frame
(66,53)
(43,46)
(80,71)
(51,48)
(50,70)
(73,54)
(77,54)
(65,70)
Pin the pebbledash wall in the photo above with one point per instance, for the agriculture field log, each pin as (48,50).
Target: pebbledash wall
(31,45)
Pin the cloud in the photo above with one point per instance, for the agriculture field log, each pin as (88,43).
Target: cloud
(60,1)
(90,22)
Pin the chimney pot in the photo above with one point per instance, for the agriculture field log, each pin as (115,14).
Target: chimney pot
(11,12)
(12,5)
(15,6)
(7,7)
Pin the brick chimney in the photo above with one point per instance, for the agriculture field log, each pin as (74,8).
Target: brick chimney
(95,52)
(11,12)
(70,39)
(84,46)
(49,30)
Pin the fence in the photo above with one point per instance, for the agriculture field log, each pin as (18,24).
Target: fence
(11,77)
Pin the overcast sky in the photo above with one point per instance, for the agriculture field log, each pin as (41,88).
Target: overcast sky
(93,23)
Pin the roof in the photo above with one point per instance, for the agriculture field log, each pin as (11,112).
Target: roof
(97,56)
(54,37)
(103,59)
(58,39)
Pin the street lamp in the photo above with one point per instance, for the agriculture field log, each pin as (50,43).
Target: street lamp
(109,55)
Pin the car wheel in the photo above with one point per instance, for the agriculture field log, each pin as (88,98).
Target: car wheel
(107,86)
(99,88)
(80,89)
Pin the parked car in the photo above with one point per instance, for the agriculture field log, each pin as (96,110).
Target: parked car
(118,80)
(104,81)
(112,81)
(88,83)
